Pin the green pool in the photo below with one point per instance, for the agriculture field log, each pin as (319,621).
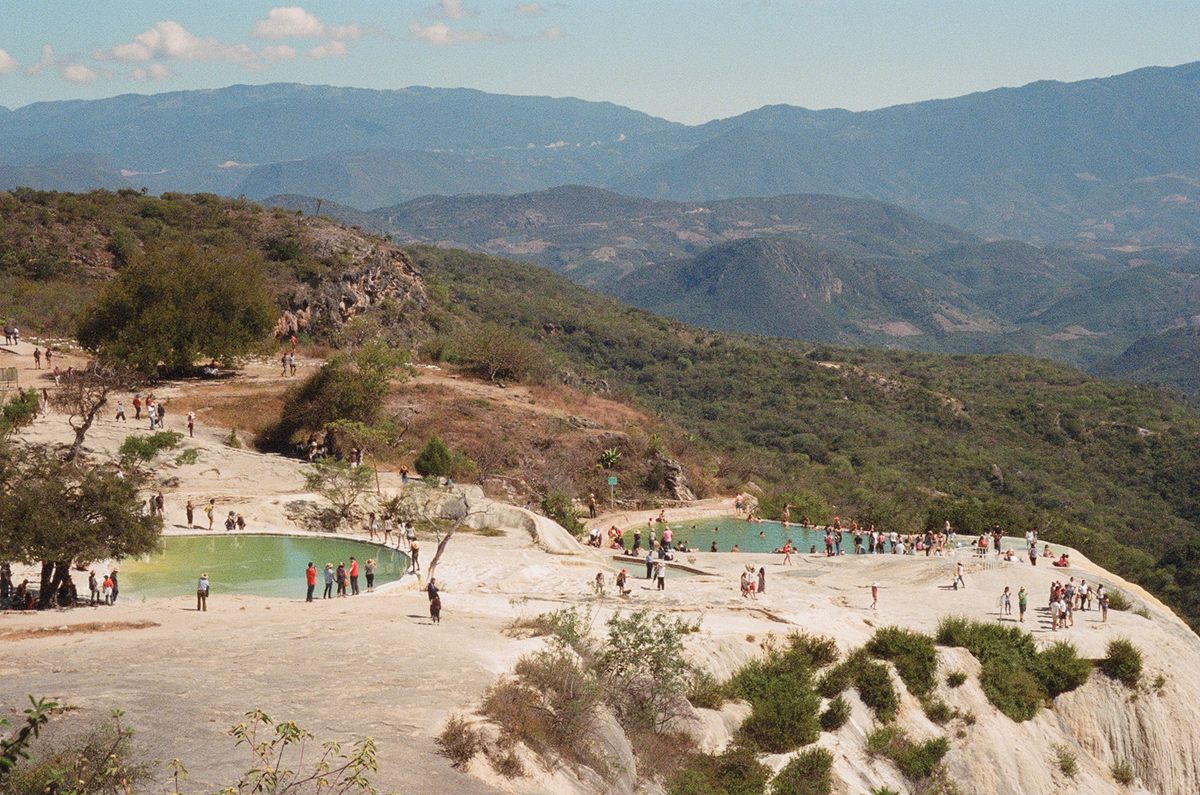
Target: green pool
(260,565)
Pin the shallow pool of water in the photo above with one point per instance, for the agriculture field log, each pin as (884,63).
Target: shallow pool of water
(766,536)
(260,565)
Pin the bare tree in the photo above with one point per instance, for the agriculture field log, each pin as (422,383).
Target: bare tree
(81,394)
(445,512)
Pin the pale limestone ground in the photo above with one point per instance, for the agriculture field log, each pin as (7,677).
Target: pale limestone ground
(374,664)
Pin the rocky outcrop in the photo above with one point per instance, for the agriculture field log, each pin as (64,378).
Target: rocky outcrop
(666,474)
(367,274)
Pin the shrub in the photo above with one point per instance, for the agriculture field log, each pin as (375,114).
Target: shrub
(706,691)
(19,411)
(834,681)
(956,678)
(559,507)
(1061,669)
(435,459)
(459,741)
(737,771)
(1122,772)
(936,710)
(913,654)
(917,761)
(500,353)
(644,669)
(1016,678)
(232,440)
(1118,600)
(504,760)
(1067,762)
(873,682)
(144,448)
(550,706)
(779,687)
(835,715)
(1123,662)
(883,791)
(188,457)
(809,773)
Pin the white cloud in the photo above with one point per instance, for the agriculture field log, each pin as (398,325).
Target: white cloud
(440,34)
(553,32)
(45,62)
(169,39)
(278,52)
(293,22)
(78,73)
(451,9)
(330,49)
(155,71)
(529,9)
(8,64)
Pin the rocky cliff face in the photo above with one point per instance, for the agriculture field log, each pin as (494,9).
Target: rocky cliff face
(372,275)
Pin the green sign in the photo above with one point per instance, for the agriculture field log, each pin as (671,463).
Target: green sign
(612,480)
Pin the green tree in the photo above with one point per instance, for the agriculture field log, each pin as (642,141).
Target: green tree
(57,512)
(177,303)
(435,460)
(341,484)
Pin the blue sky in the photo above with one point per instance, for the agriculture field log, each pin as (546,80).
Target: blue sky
(688,60)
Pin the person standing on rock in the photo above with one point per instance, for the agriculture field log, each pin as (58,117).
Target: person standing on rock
(120,412)
(1022,603)
(37,358)
(93,588)
(592,504)
(874,596)
(310,579)
(370,571)
(191,423)
(1006,603)
(958,575)
(762,579)
(341,580)
(137,406)
(116,586)
(210,509)
(328,581)
(354,576)
(660,574)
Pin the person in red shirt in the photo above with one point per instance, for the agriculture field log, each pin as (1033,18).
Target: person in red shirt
(354,576)
(310,575)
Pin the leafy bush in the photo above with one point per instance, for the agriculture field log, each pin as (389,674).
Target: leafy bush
(1061,669)
(188,457)
(501,353)
(1122,661)
(1016,678)
(144,448)
(1067,761)
(834,681)
(917,761)
(737,771)
(956,678)
(913,654)
(1122,772)
(1118,600)
(836,713)
(19,411)
(779,687)
(435,459)
(936,709)
(706,691)
(459,741)
(808,773)
(559,507)
(873,682)
(645,673)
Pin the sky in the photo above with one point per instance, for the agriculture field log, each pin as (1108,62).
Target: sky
(685,60)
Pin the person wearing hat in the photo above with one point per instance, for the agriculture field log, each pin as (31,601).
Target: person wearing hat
(202,593)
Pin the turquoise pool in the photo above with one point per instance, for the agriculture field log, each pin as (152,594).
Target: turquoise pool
(259,565)
(767,536)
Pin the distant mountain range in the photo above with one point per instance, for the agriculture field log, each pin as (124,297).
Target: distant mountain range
(822,268)
(1111,159)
